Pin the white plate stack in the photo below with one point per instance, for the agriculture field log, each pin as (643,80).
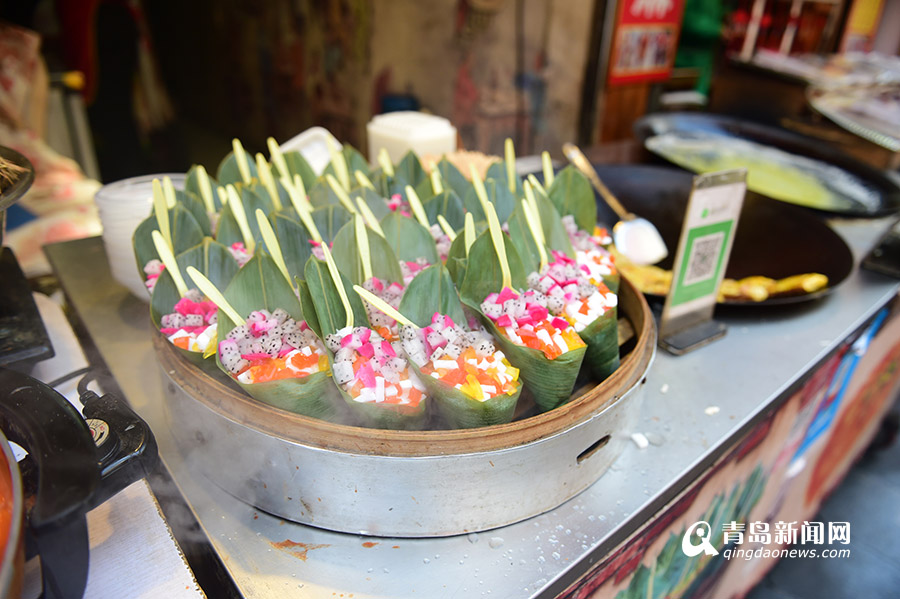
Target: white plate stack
(123,205)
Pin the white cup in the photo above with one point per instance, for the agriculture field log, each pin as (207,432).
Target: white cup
(123,205)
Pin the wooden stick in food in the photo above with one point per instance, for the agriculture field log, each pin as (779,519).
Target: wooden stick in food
(205,189)
(242,160)
(268,181)
(168,258)
(207,288)
(416,205)
(268,235)
(161,210)
(340,192)
(240,215)
(509,152)
(277,157)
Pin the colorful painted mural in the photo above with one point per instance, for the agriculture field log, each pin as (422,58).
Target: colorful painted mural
(758,502)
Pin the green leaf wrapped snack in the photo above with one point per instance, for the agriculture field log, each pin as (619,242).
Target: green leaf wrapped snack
(174,222)
(470,381)
(572,195)
(368,366)
(548,357)
(183,315)
(558,283)
(271,352)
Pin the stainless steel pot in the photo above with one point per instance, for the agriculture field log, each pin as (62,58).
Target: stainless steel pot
(403,483)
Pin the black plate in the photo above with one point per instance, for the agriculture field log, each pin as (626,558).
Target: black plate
(888,190)
(773,239)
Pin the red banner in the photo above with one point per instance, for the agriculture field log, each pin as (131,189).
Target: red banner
(645,40)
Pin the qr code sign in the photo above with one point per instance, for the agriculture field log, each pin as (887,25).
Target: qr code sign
(703,258)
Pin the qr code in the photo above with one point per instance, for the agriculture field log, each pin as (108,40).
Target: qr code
(704,258)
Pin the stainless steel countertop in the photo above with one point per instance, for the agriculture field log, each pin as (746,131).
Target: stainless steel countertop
(766,352)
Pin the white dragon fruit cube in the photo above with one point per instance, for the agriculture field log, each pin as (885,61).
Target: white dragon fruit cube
(344,354)
(193,320)
(484,348)
(546,284)
(533,279)
(280,315)
(343,372)
(492,310)
(555,305)
(333,342)
(258,316)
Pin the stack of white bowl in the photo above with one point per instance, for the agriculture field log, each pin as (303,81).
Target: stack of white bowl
(123,205)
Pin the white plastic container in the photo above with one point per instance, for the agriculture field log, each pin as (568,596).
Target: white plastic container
(122,206)
(399,132)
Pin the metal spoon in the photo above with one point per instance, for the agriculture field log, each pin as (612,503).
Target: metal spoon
(635,237)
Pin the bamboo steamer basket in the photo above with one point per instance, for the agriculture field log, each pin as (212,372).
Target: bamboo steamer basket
(404,483)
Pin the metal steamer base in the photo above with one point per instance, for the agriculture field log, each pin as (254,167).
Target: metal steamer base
(402,483)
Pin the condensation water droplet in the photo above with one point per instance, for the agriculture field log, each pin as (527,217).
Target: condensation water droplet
(592,517)
(473,537)
(602,518)
(425,561)
(370,570)
(495,542)
(537,538)
(462,561)
(584,547)
(437,556)
(386,571)
(568,531)
(555,555)
(522,562)
(643,473)
(541,559)
(620,501)
(646,491)
(299,585)
(559,527)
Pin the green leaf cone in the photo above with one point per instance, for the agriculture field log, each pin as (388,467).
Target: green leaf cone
(332,317)
(430,292)
(497,194)
(373,200)
(571,193)
(192,184)
(186,233)
(497,171)
(602,338)
(453,178)
(297,165)
(410,169)
(447,204)
(408,239)
(329,220)
(228,231)
(550,382)
(327,303)
(195,206)
(260,285)
(521,236)
(294,240)
(346,254)
(213,260)
(458,410)
(355,162)
(228,171)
